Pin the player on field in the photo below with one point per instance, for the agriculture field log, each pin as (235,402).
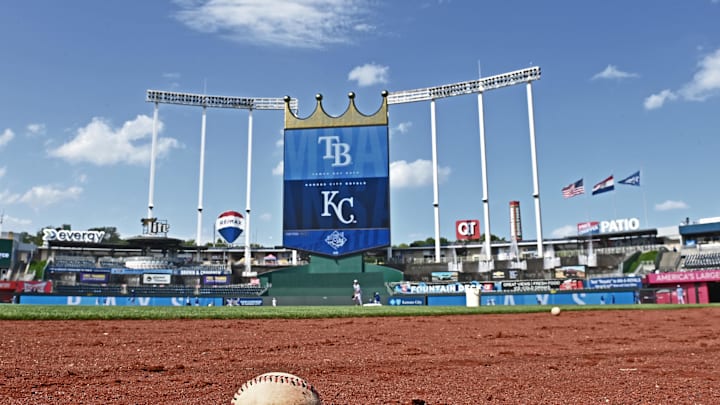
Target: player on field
(357,293)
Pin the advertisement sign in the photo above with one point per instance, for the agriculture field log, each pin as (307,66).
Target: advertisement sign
(117,301)
(230,225)
(396,301)
(64,235)
(156,278)
(216,280)
(37,286)
(27,286)
(561,298)
(610,226)
(6,249)
(444,276)
(155,227)
(504,275)
(684,277)
(94,278)
(620,225)
(249,302)
(467,229)
(336,189)
(530,285)
(588,228)
(570,272)
(614,282)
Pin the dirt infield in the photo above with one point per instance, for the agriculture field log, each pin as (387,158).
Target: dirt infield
(592,357)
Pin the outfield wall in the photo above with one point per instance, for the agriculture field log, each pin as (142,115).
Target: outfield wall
(583,297)
(577,297)
(121,301)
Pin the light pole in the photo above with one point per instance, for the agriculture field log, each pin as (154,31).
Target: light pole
(478,86)
(209,101)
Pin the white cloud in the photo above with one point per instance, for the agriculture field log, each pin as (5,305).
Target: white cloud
(612,72)
(564,231)
(706,81)
(8,197)
(671,205)
(369,74)
(6,137)
(287,23)
(36,129)
(401,128)
(364,27)
(173,78)
(3,170)
(12,222)
(40,196)
(704,84)
(279,169)
(99,144)
(657,100)
(415,174)
(265,216)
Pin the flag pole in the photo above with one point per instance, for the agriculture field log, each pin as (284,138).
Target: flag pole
(614,198)
(647,225)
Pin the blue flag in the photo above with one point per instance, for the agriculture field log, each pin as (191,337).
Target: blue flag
(631,180)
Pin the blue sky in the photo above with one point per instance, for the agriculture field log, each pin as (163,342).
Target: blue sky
(625,86)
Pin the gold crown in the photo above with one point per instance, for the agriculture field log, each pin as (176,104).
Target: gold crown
(351,117)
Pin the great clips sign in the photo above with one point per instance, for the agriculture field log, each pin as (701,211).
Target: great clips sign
(467,229)
(336,198)
(611,226)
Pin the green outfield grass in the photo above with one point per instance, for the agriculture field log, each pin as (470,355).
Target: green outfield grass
(64,312)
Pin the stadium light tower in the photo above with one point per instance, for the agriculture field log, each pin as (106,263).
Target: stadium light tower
(478,87)
(208,101)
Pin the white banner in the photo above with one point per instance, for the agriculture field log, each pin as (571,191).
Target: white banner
(156,278)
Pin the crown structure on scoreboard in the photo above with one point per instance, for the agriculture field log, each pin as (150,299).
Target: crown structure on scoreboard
(351,117)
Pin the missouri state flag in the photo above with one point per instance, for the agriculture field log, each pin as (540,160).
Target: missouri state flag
(631,180)
(604,186)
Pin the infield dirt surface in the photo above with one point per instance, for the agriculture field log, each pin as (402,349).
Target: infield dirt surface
(589,357)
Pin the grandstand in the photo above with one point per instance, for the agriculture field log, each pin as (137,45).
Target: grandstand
(706,260)
(76,269)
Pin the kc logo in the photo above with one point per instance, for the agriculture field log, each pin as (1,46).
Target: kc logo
(337,207)
(335,150)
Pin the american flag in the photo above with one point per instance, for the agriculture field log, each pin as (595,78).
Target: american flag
(573,189)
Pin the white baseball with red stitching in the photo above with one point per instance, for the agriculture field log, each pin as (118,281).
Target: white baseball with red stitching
(276,388)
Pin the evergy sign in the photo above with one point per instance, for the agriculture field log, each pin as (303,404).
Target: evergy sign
(64,235)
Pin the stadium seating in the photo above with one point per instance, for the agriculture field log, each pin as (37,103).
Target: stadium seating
(69,262)
(709,260)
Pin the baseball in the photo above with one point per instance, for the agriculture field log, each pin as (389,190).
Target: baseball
(555,311)
(276,388)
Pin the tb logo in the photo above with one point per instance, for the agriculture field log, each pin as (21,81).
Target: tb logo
(335,150)
(337,206)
